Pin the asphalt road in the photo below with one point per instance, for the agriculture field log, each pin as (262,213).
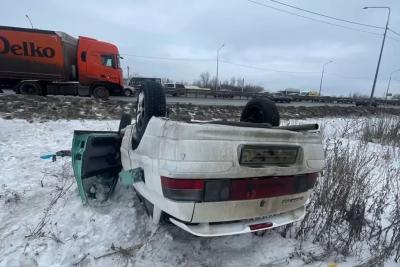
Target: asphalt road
(227,102)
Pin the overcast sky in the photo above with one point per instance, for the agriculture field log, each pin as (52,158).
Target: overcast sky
(253,35)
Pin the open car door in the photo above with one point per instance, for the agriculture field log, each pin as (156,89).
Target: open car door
(96,161)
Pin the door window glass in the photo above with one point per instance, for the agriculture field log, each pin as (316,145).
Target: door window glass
(107,60)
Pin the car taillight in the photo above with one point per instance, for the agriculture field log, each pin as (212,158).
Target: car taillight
(217,190)
(266,187)
(182,189)
(214,190)
(312,178)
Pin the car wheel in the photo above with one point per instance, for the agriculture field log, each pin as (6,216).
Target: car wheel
(127,92)
(126,119)
(101,92)
(150,102)
(261,111)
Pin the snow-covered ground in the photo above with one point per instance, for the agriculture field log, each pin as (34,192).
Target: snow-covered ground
(43,222)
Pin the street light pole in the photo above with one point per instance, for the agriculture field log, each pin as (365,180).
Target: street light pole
(322,76)
(216,80)
(380,54)
(390,79)
(29,19)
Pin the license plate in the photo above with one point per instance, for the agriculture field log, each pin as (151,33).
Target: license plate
(268,155)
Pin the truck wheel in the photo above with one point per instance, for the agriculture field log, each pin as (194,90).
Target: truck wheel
(29,88)
(261,111)
(126,119)
(127,92)
(101,92)
(150,102)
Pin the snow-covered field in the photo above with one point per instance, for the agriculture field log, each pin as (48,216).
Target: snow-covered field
(43,222)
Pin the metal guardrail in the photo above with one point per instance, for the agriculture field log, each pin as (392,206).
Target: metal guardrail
(294,98)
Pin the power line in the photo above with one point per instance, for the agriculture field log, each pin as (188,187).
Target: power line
(394,32)
(168,58)
(348,77)
(268,69)
(209,60)
(294,72)
(313,19)
(244,66)
(394,39)
(327,16)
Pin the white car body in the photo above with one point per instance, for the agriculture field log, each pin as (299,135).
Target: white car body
(180,150)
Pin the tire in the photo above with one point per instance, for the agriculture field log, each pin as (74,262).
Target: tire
(29,88)
(126,119)
(150,102)
(101,92)
(127,92)
(261,111)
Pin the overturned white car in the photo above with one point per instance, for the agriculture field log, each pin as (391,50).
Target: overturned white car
(209,178)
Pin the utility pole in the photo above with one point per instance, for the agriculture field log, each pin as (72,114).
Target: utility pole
(128,71)
(30,22)
(322,76)
(216,81)
(390,79)
(380,54)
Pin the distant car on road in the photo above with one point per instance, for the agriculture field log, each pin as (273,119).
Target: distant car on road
(135,84)
(281,98)
(309,93)
(224,93)
(366,103)
(174,89)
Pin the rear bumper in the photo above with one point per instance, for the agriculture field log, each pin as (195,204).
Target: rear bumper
(241,227)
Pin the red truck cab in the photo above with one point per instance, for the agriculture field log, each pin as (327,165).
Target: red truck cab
(98,64)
